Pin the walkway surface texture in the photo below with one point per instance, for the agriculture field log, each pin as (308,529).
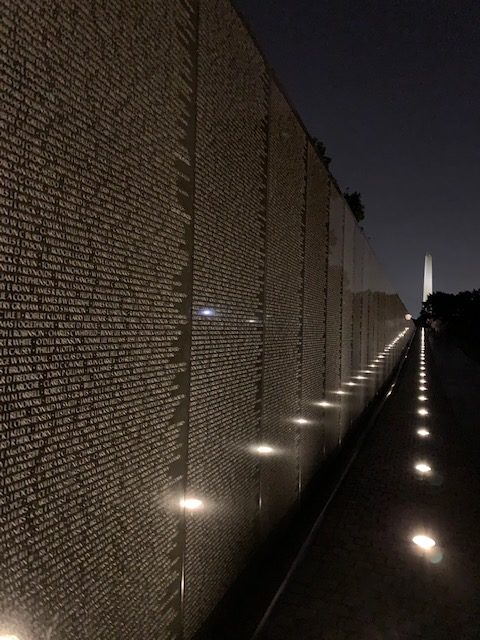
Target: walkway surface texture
(364,578)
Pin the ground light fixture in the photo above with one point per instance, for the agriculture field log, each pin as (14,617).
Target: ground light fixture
(424,542)
(422,387)
(423,412)
(423,433)
(422,398)
(423,468)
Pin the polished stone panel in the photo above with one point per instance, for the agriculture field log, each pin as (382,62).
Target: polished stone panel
(184,292)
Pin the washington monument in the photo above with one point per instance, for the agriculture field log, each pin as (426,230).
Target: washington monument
(427,277)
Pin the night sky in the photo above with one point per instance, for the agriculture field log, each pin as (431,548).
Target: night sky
(393,90)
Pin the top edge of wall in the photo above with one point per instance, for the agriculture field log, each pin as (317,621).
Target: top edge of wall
(273,76)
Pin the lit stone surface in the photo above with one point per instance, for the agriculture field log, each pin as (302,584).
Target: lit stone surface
(334,315)
(128,149)
(285,230)
(97,115)
(312,441)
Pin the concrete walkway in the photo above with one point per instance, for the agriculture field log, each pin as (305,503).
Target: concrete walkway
(363,577)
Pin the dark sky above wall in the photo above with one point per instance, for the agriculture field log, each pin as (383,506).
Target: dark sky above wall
(393,90)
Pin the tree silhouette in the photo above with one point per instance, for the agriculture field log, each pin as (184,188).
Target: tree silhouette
(321,151)
(354,201)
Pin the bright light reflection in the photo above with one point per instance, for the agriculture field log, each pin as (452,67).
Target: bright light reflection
(423,467)
(422,387)
(264,449)
(360,378)
(201,312)
(9,637)
(323,403)
(422,398)
(301,421)
(424,541)
(351,384)
(423,433)
(422,368)
(423,412)
(339,392)
(192,504)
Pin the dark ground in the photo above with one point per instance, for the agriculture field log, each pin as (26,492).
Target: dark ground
(363,578)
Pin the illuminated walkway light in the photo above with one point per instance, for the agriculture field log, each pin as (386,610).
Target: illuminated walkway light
(423,412)
(422,398)
(323,403)
(425,542)
(423,467)
(423,433)
(300,421)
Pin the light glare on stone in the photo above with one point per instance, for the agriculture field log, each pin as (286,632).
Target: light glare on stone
(423,412)
(264,449)
(192,504)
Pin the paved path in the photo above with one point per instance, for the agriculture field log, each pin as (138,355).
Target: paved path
(363,578)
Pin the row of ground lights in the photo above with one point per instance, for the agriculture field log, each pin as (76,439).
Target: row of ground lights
(423,467)
(193,503)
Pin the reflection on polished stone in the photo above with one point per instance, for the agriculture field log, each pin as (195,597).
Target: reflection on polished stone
(422,398)
(191,504)
(423,412)
(301,421)
(323,403)
(206,311)
(264,449)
